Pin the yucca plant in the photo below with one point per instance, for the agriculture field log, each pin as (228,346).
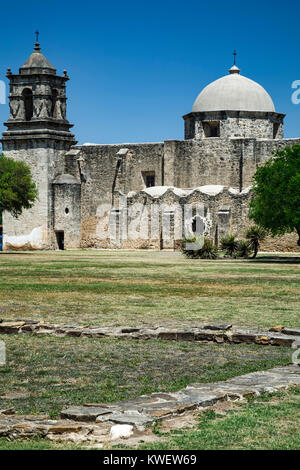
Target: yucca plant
(243,249)
(186,250)
(202,248)
(229,244)
(208,250)
(255,235)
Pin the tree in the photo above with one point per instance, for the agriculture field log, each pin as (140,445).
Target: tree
(275,204)
(17,190)
(255,235)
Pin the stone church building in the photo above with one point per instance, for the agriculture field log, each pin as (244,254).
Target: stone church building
(140,195)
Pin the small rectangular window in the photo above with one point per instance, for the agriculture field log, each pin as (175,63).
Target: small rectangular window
(211,129)
(275,130)
(149,178)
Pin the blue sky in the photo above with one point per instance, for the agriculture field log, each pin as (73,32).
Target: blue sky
(136,67)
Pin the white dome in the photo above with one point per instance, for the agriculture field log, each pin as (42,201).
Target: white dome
(234,92)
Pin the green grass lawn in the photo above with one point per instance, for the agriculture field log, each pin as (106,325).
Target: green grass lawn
(144,288)
(53,372)
(148,288)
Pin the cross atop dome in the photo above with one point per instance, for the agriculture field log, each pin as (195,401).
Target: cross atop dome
(234,68)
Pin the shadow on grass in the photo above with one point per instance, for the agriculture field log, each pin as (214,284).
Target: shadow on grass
(277,259)
(3,253)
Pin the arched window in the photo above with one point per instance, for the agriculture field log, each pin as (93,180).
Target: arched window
(28,103)
(197,225)
(53,106)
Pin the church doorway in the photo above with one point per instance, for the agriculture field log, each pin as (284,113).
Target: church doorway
(60,238)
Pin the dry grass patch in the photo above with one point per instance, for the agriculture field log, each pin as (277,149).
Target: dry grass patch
(148,288)
(53,372)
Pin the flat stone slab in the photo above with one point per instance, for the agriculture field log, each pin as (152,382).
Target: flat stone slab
(132,417)
(291,331)
(84,413)
(145,409)
(218,327)
(197,396)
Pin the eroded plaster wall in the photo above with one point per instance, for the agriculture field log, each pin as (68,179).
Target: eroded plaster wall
(35,224)
(104,173)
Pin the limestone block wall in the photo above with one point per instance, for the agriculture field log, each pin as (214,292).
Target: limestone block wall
(247,127)
(200,162)
(109,172)
(104,173)
(256,152)
(235,124)
(229,162)
(67,212)
(34,228)
(160,217)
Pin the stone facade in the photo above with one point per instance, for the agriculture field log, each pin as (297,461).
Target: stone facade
(250,124)
(145,195)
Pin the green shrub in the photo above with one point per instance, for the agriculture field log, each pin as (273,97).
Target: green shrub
(255,235)
(243,249)
(229,244)
(203,249)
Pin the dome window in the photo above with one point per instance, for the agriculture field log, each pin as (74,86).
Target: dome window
(275,130)
(211,128)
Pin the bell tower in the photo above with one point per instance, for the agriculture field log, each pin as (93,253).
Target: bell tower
(38,133)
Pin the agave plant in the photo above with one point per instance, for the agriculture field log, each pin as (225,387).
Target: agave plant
(186,248)
(201,248)
(208,250)
(255,235)
(243,249)
(229,244)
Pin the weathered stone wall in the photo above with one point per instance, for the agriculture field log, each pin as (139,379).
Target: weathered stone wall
(287,242)
(161,218)
(34,228)
(108,174)
(104,172)
(199,162)
(67,211)
(257,152)
(258,125)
